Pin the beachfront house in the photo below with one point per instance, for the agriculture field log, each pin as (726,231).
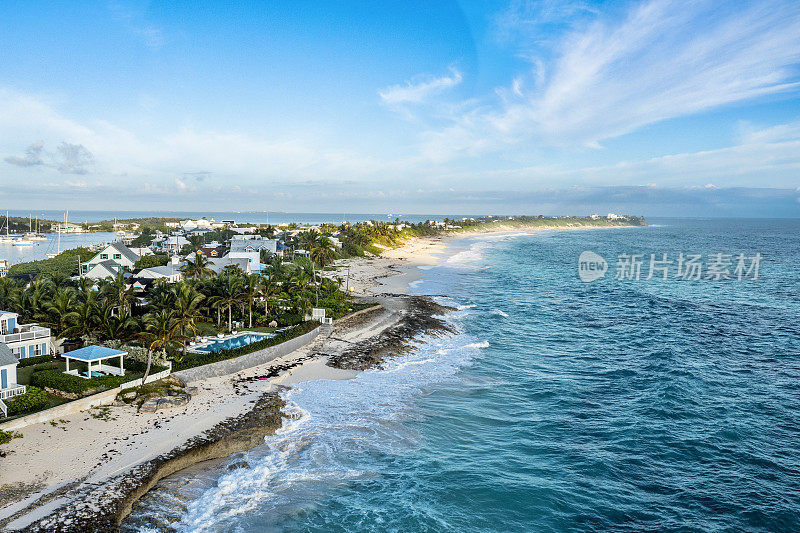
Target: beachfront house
(23,340)
(170,272)
(111,259)
(95,358)
(8,377)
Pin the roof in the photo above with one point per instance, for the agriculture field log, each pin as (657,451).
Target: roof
(8,313)
(162,271)
(125,251)
(94,353)
(217,264)
(6,357)
(248,245)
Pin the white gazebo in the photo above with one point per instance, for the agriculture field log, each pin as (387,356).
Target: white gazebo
(94,356)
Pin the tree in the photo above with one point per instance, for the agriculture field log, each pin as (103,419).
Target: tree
(198,268)
(119,292)
(187,309)
(151,260)
(324,252)
(230,294)
(60,311)
(251,288)
(161,332)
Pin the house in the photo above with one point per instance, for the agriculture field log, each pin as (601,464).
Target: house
(174,243)
(69,227)
(112,258)
(3,267)
(212,251)
(612,216)
(23,340)
(171,273)
(251,249)
(8,378)
(221,263)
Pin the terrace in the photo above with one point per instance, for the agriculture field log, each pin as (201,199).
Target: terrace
(26,332)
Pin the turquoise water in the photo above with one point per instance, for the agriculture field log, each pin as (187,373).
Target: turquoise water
(644,405)
(234,342)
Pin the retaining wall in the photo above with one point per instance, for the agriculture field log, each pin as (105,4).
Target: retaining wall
(243,362)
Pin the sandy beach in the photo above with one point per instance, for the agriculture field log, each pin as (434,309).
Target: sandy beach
(57,458)
(54,464)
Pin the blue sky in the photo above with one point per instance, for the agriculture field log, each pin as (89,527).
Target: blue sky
(407,106)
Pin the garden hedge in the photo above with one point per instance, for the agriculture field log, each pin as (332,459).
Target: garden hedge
(30,361)
(33,400)
(57,379)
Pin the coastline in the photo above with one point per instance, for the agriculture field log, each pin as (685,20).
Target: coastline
(127,453)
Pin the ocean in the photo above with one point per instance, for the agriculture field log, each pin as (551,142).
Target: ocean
(559,405)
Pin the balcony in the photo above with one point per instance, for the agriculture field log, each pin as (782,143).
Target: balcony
(26,333)
(12,391)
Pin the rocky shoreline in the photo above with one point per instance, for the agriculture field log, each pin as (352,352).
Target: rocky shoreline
(102,507)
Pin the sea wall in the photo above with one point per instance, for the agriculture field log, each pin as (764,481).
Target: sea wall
(243,362)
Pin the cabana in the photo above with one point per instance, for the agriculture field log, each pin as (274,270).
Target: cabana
(94,356)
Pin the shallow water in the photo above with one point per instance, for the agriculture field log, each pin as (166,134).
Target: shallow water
(560,406)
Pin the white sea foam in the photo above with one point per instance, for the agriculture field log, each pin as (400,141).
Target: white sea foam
(501,313)
(333,424)
(465,307)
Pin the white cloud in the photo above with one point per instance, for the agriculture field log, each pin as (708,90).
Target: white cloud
(664,59)
(420,90)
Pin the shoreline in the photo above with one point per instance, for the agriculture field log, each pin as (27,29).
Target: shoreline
(163,443)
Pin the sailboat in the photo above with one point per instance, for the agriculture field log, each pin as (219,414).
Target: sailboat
(8,239)
(25,240)
(58,229)
(36,235)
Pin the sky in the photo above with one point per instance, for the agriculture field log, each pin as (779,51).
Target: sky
(659,107)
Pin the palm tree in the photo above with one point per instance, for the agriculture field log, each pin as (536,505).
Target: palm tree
(198,268)
(269,288)
(119,291)
(187,309)
(251,288)
(8,290)
(324,252)
(161,332)
(60,311)
(309,238)
(116,323)
(229,294)
(84,321)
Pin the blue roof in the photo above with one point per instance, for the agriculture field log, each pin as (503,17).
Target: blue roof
(93,353)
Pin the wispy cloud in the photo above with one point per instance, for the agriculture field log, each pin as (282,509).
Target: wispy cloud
(420,89)
(137,24)
(32,156)
(664,59)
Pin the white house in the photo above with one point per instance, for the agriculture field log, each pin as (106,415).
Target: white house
(612,216)
(112,258)
(8,378)
(171,273)
(250,249)
(219,264)
(23,340)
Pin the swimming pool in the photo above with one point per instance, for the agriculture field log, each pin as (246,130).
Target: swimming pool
(233,342)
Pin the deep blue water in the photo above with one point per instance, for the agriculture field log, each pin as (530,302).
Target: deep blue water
(645,405)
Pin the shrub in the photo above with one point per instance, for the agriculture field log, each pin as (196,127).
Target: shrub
(351,249)
(30,361)
(6,436)
(374,250)
(56,379)
(193,360)
(33,400)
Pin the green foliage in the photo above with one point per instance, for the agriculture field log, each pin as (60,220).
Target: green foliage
(371,248)
(30,361)
(34,399)
(56,379)
(351,249)
(6,436)
(148,261)
(194,360)
(65,264)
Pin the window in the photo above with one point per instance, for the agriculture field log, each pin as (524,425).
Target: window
(117,256)
(103,256)
(37,350)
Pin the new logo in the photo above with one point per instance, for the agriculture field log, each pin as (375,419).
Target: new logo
(591,266)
